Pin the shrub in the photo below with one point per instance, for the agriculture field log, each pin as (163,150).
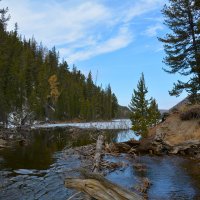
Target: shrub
(192,113)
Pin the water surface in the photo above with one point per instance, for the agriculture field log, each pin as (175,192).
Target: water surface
(37,171)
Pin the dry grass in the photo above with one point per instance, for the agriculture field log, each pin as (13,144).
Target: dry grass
(191,113)
(176,130)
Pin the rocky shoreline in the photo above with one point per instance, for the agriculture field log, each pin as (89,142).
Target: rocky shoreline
(10,136)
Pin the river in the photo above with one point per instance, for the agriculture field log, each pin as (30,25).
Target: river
(38,170)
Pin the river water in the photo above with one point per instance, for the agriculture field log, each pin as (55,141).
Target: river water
(38,170)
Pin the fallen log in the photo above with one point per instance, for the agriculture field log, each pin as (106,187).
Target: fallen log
(97,186)
(97,157)
(100,188)
(118,148)
(185,146)
(133,143)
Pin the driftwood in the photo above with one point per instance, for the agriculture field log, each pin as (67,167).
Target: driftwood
(123,147)
(155,145)
(100,188)
(97,157)
(144,186)
(185,146)
(97,186)
(133,143)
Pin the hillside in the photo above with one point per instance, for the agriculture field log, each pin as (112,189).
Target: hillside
(123,112)
(182,125)
(36,85)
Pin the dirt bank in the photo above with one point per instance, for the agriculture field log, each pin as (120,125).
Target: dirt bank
(180,132)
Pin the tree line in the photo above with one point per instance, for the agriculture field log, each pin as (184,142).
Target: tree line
(33,82)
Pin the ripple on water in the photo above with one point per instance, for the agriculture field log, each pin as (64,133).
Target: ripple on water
(35,184)
(169,180)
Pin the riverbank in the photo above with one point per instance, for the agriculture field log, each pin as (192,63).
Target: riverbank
(179,133)
(11,136)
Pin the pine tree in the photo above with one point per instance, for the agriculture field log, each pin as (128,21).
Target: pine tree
(144,112)
(182,44)
(139,108)
(114,105)
(108,102)
(4,18)
(153,113)
(197,4)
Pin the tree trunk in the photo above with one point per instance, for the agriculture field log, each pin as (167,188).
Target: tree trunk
(97,157)
(100,188)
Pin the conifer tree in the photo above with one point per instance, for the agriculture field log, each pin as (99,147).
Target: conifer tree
(153,113)
(182,44)
(139,108)
(144,112)
(114,105)
(197,4)
(4,18)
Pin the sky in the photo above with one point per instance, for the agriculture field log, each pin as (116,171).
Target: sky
(116,40)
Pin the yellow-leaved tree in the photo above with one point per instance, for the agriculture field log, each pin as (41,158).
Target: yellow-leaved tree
(54,93)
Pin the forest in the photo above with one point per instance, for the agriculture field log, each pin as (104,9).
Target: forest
(35,84)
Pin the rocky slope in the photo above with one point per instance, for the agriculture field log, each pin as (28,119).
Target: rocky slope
(180,132)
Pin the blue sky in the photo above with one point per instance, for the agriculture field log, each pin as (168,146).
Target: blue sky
(115,39)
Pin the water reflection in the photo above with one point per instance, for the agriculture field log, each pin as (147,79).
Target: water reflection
(38,154)
(126,135)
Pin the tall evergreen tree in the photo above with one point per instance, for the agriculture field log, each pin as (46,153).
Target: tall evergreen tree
(144,112)
(4,18)
(114,105)
(153,113)
(139,108)
(197,4)
(182,45)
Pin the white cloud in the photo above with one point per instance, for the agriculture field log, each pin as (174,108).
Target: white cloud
(152,31)
(121,40)
(80,29)
(142,6)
